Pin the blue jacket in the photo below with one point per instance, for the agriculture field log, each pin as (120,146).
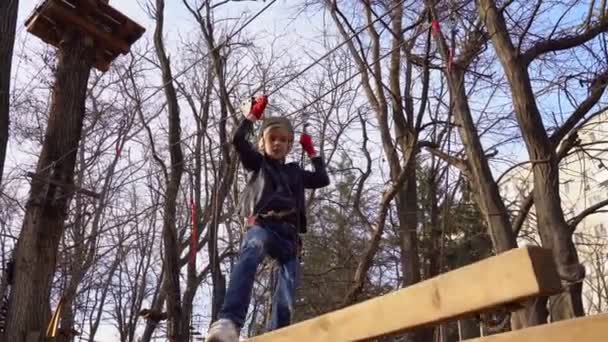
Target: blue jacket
(267,173)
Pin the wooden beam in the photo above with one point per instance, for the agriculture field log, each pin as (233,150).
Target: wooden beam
(511,276)
(584,329)
(106,39)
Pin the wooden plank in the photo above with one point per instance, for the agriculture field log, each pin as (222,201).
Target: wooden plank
(43,28)
(584,329)
(105,38)
(122,26)
(113,31)
(511,276)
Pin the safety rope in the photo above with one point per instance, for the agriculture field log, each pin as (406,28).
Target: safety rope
(312,102)
(282,85)
(300,109)
(332,50)
(181,73)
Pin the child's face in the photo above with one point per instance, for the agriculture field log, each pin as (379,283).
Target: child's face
(277,142)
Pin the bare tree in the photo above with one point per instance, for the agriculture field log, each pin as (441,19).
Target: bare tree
(43,226)
(553,228)
(8,18)
(173,180)
(383,88)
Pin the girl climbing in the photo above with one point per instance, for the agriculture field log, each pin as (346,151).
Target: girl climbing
(274,212)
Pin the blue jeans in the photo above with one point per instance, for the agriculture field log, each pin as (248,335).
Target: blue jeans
(258,242)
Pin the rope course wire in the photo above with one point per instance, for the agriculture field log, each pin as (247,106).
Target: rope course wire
(181,73)
(315,100)
(282,85)
(335,48)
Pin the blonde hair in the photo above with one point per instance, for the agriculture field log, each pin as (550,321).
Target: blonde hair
(261,147)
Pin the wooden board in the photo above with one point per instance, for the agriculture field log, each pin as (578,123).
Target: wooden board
(514,275)
(585,329)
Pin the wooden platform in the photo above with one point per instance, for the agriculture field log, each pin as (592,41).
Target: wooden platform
(112,32)
(509,277)
(585,329)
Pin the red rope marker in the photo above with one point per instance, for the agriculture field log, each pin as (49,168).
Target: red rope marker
(118,149)
(435,27)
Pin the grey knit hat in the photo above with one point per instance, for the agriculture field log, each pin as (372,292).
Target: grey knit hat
(277,121)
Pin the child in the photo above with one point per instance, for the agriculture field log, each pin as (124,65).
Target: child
(273,205)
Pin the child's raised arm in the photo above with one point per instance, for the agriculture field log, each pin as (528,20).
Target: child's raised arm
(251,159)
(253,110)
(318,178)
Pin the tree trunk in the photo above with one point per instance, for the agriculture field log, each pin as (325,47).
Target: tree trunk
(43,226)
(476,166)
(217,277)
(67,324)
(170,238)
(157,306)
(485,188)
(553,229)
(402,170)
(407,203)
(434,230)
(8,21)
(225,175)
(407,198)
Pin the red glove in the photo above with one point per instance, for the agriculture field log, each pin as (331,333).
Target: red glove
(253,108)
(306,142)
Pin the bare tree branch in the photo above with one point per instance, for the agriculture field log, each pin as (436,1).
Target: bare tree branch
(551,45)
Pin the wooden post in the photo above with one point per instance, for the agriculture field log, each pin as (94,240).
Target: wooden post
(43,225)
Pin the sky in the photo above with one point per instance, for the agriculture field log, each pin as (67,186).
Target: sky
(277,20)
